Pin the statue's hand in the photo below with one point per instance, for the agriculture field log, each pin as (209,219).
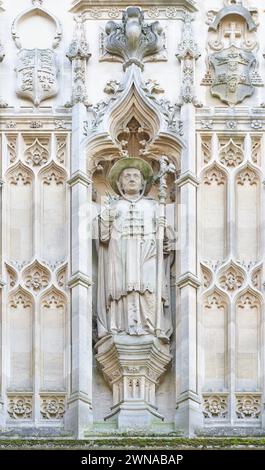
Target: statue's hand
(168,243)
(109,216)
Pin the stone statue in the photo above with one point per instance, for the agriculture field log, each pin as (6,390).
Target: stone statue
(128,257)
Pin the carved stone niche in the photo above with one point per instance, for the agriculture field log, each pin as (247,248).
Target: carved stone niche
(133,366)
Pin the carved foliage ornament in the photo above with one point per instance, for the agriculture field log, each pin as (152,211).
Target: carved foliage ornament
(215,406)
(248,406)
(231,154)
(20,407)
(231,280)
(52,407)
(36,277)
(36,154)
(133,39)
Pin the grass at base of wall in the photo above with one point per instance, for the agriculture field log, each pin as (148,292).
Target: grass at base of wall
(135,442)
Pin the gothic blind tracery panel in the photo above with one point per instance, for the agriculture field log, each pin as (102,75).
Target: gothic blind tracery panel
(53,342)
(20,242)
(214,214)
(247,214)
(215,342)
(247,342)
(21,340)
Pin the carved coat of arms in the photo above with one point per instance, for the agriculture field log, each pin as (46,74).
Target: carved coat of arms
(37,72)
(233,74)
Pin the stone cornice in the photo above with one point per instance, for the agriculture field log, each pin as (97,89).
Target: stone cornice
(80,396)
(79,279)
(79,177)
(80,6)
(188,279)
(188,395)
(188,178)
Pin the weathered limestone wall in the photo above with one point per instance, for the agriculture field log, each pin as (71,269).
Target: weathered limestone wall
(69,99)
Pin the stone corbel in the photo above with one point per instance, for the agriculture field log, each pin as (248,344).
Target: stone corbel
(133,367)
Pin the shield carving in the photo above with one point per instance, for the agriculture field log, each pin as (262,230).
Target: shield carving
(37,74)
(232,80)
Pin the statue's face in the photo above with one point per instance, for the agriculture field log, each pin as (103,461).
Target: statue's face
(131,181)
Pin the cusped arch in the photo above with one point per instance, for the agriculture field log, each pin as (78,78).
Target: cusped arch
(19,172)
(248,296)
(132,105)
(53,173)
(248,172)
(40,11)
(53,297)
(20,296)
(215,296)
(214,172)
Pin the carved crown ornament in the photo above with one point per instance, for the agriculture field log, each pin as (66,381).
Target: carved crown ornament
(232,66)
(133,40)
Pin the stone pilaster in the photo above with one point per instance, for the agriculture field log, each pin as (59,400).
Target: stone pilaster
(79,414)
(188,416)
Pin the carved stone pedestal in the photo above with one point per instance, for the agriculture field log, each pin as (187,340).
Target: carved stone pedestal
(132,366)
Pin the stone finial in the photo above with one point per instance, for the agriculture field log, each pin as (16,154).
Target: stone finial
(79,54)
(37,3)
(188,46)
(133,39)
(79,48)
(187,54)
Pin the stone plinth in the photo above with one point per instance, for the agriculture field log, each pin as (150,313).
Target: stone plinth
(133,366)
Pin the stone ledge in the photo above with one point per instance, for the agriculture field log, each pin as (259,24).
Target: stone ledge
(134,442)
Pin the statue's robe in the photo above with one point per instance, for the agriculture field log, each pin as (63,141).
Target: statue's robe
(127,274)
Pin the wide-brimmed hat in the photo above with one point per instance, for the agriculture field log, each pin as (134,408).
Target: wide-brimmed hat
(130,162)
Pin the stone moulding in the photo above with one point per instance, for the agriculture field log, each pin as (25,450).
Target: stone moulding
(84,5)
(37,10)
(133,366)
(233,10)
